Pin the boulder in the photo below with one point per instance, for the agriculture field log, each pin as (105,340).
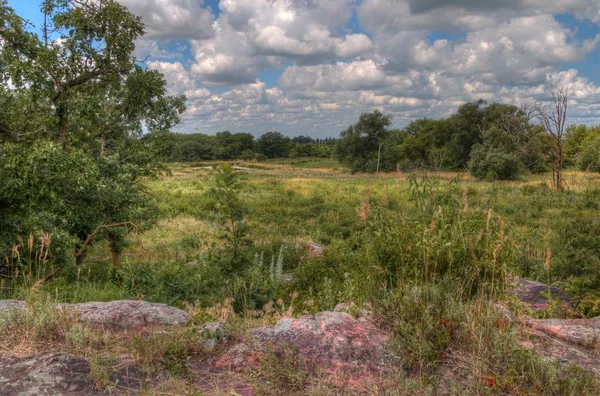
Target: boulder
(351,308)
(212,333)
(52,375)
(127,314)
(334,342)
(115,315)
(570,342)
(8,306)
(315,250)
(534,294)
(581,332)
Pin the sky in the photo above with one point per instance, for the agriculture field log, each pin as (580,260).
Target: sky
(310,67)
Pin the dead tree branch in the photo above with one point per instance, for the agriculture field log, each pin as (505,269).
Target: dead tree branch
(91,237)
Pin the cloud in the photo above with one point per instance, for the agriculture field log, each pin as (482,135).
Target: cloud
(173,19)
(338,58)
(177,77)
(253,36)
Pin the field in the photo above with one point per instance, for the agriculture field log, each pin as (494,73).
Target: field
(298,201)
(421,250)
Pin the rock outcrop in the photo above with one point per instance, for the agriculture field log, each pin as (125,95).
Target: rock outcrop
(334,342)
(9,306)
(570,341)
(114,315)
(128,314)
(534,295)
(48,375)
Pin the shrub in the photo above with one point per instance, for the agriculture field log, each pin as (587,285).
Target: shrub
(494,164)
(590,157)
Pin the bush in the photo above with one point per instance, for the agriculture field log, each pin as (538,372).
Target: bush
(494,164)
(590,157)
(173,282)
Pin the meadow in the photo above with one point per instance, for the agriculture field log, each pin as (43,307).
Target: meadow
(420,250)
(292,202)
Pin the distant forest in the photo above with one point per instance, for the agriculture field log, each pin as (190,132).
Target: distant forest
(492,141)
(229,146)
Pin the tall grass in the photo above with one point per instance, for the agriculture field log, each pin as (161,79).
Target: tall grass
(431,274)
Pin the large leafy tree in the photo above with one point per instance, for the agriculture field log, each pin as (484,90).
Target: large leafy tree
(360,146)
(83,122)
(274,145)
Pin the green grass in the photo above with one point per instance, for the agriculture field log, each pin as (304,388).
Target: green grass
(294,204)
(427,252)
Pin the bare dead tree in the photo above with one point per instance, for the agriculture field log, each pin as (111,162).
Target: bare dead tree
(554,120)
(528,108)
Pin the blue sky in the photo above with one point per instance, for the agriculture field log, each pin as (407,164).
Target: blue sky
(312,66)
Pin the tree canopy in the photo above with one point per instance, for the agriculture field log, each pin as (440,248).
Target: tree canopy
(82,122)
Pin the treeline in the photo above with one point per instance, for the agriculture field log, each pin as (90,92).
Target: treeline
(495,141)
(492,141)
(227,146)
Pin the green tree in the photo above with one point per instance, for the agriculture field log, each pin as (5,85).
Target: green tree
(231,146)
(577,139)
(274,145)
(360,146)
(589,160)
(232,215)
(95,119)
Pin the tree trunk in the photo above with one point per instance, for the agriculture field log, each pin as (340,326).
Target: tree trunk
(81,258)
(63,120)
(116,258)
(102,145)
(114,251)
(559,166)
(379,156)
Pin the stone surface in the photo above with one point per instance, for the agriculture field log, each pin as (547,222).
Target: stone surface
(580,332)
(52,374)
(563,351)
(212,334)
(533,294)
(8,306)
(116,315)
(351,308)
(128,314)
(570,341)
(331,341)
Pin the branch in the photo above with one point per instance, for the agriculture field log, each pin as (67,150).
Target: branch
(79,80)
(48,277)
(90,238)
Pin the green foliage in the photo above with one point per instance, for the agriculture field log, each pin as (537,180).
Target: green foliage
(359,146)
(78,161)
(231,212)
(449,144)
(173,282)
(231,146)
(44,188)
(580,139)
(493,164)
(589,159)
(274,145)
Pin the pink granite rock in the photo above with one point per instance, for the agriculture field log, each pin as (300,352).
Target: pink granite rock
(114,315)
(581,332)
(128,314)
(534,294)
(334,342)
